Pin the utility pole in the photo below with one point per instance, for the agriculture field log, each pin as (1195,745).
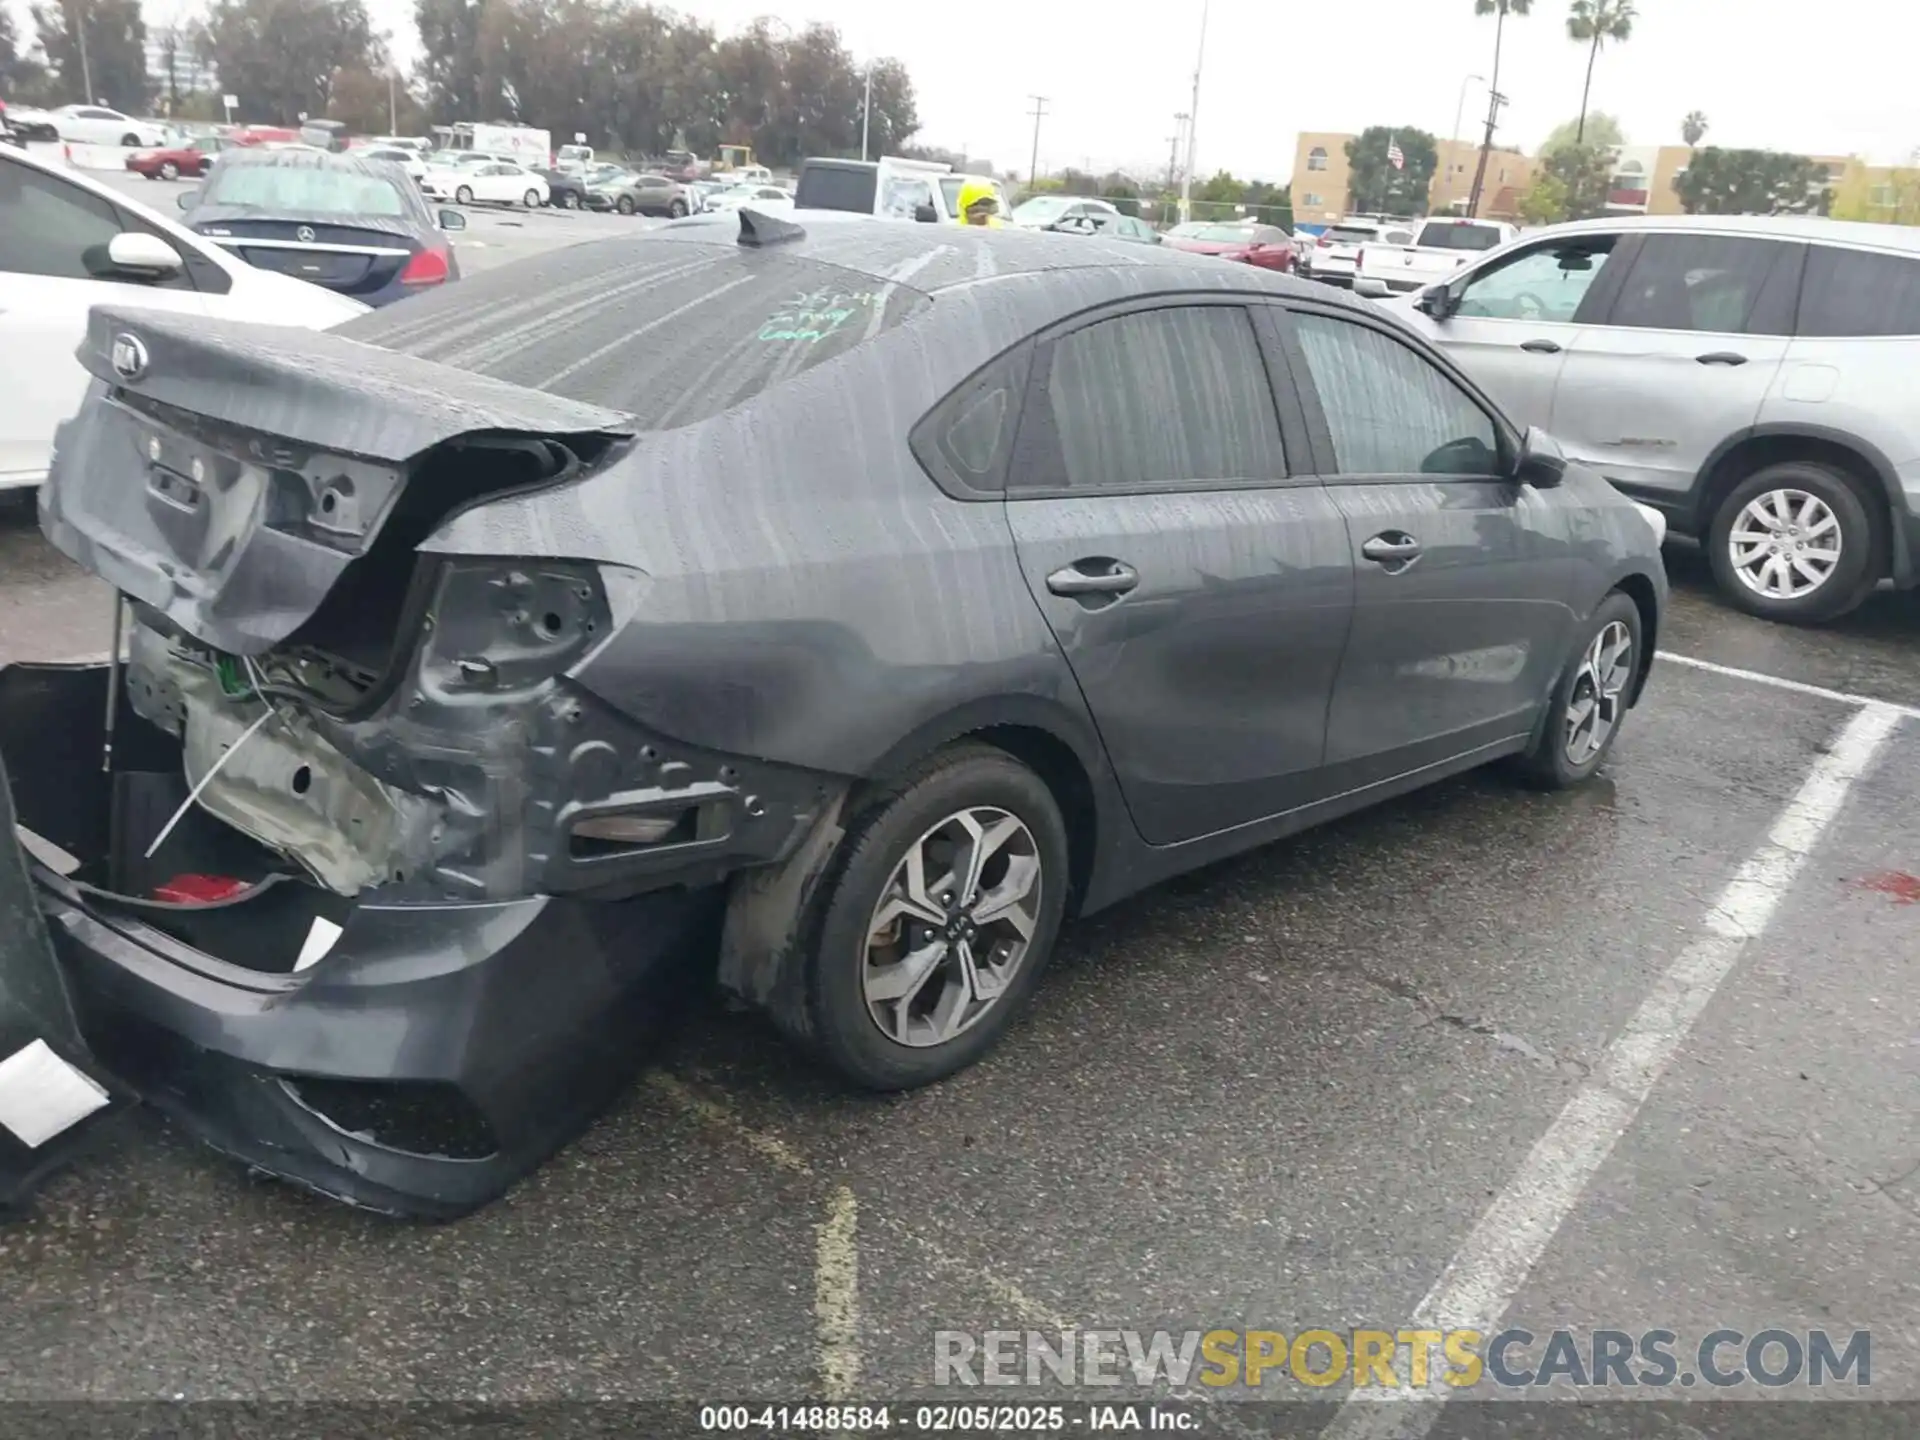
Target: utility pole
(1039,110)
(866,111)
(1173,147)
(80,35)
(393,104)
(1453,143)
(1193,121)
(1494,101)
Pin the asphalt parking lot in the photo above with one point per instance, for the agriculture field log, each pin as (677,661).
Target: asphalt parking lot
(1639,1055)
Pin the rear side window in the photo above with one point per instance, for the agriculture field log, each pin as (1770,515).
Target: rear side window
(832,188)
(670,333)
(1445,235)
(1713,283)
(1392,411)
(1163,397)
(1855,293)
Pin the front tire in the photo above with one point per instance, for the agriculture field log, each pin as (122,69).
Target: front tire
(936,919)
(532,200)
(1589,701)
(169,170)
(677,211)
(568,200)
(624,205)
(1796,542)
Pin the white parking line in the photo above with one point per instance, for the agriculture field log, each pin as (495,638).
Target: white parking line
(1488,1270)
(1760,677)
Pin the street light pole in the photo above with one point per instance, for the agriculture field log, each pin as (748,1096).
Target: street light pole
(1453,143)
(866,111)
(1193,121)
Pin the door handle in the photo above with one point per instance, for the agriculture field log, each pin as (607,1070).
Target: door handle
(1721,357)
(1395,547)
(1540,347)
(1097,576)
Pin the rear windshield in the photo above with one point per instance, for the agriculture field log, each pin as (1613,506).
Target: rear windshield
(1449,236)
(318,189)
(1351,233)
(666,331)
(825,187)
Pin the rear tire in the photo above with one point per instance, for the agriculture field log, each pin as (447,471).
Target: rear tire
(983,970)
(569,201)
(129,140)
(169,170)
(463,196)
(1589,701)
(1797,542)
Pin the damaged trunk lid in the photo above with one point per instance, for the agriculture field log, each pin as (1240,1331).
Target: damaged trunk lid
(226,474)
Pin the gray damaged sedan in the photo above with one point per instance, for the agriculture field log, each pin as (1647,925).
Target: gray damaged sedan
(488,679)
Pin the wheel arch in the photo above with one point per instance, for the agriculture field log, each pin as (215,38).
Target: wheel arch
(1753,449)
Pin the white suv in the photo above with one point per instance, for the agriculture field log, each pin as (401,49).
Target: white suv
(70,243)
(1751,377)
(1334,255)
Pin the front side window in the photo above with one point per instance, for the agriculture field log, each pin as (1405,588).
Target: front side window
(47,226)
(1390,410)
(1164,397)
(1545,283)
(1857,293)
(1710,283)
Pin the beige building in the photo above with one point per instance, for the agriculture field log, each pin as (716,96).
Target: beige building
(1321,175)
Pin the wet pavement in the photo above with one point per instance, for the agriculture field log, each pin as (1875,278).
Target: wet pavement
(1279,1094)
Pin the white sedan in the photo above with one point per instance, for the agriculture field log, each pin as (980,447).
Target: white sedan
(769,199)
(72,243)
(97,125)
(498,182)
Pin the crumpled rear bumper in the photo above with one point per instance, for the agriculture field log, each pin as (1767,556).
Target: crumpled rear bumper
(438,1053)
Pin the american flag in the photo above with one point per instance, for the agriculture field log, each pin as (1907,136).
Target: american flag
(1396,157)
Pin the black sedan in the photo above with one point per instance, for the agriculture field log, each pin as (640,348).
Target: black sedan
(566,189)
(354,225)
(874,598)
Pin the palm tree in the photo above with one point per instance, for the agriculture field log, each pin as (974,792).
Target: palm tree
(1694,128)
(1596,22)
(1499,9)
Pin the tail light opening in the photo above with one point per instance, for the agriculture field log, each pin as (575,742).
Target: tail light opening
(427,267)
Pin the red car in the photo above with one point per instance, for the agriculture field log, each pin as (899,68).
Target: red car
(1267,246)
(172,161)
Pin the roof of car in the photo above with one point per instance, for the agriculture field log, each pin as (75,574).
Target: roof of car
(1777,227)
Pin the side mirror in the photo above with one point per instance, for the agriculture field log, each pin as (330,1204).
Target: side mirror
(452,220)
(138,256)
(188,198)
(1435,302)
(926,214)
(1371,289)
(1543,464)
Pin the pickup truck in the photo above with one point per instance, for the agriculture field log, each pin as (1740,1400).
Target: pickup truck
(1440,247)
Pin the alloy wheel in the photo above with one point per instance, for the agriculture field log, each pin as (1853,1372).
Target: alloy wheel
(952,927)
(169,170)
(1784,544)
(1599,692)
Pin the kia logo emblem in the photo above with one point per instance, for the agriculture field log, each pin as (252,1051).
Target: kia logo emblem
(304,234)
(129,357)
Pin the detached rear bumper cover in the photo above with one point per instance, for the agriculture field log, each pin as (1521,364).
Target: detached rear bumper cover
(439,1052)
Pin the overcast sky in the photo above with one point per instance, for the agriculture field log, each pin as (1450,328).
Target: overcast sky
(1821,79)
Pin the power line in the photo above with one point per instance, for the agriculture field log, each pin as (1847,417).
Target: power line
(1039,110)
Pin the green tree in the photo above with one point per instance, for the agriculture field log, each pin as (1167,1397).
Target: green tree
(18,72)
(1584,174)
(1603,133)
(280,57)
(1693,129)
(115,59)
(1222,189)
(1594,23)
(1546,202)
(449,66)
(1499,9)
(1374,186)
(1752,182)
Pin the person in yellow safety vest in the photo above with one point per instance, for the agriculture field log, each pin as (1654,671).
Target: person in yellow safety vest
(979,205)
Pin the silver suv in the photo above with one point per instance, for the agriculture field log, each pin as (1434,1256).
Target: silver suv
(1751,377)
